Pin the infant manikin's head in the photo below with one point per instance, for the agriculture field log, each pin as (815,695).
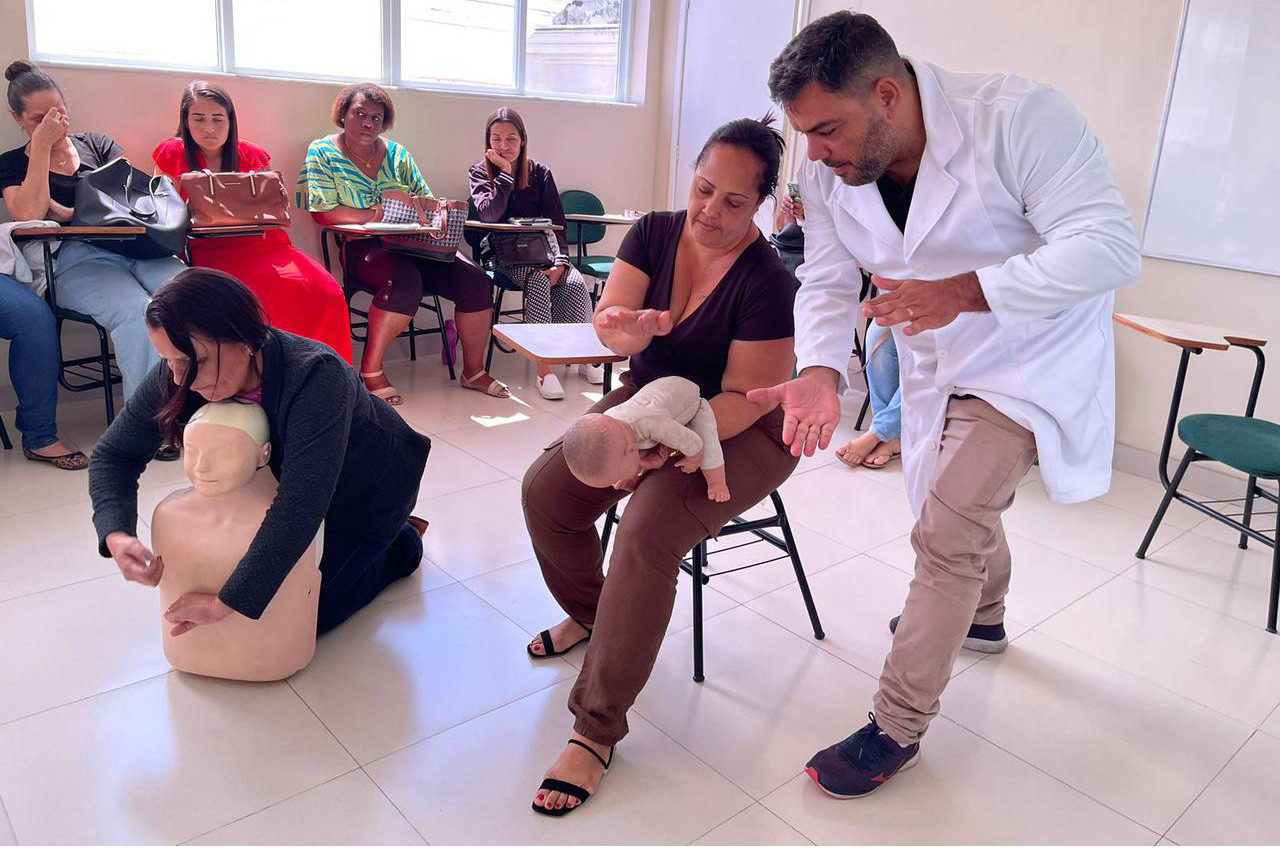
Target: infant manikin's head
(224,444)
(601,450)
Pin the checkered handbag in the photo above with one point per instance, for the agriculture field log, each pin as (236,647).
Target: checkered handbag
(443,218)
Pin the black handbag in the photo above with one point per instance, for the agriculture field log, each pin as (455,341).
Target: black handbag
(523,248)
(119,194)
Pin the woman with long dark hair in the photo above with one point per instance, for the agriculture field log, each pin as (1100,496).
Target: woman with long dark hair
(297,293)
(507,183)
(341,456)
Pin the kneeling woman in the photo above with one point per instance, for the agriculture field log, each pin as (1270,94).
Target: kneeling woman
(341,456)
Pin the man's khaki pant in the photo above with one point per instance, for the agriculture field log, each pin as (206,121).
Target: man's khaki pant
(962,561)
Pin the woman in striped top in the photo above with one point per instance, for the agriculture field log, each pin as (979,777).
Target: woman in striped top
(343,179)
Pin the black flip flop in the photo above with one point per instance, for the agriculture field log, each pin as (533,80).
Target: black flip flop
(563,787)
(548,648)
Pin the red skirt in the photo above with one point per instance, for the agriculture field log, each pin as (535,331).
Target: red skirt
(297,293)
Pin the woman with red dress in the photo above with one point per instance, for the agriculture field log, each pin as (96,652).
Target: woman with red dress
(297,293)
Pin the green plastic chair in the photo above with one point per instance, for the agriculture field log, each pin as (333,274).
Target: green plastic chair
(581,235)
(1246,443)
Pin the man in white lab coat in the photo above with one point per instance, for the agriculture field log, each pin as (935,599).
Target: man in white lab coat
(985,210)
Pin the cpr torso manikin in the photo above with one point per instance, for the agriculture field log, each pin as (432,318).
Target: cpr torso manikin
(202,532)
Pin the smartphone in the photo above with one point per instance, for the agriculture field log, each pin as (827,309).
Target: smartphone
(793,190)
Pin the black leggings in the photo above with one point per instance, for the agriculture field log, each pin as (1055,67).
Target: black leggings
(354,570)
(398,280)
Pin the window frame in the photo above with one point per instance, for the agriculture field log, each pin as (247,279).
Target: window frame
(391,75)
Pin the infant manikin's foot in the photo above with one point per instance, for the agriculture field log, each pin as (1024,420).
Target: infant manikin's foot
(719,493)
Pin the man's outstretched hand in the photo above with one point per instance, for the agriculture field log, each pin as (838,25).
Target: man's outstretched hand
(811,408)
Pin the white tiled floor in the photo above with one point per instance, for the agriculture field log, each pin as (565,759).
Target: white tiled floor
(1139,701)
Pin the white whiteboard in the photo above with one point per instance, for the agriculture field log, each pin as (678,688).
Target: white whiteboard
(1216,195)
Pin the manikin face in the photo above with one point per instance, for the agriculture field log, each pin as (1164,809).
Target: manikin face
(208,124)
(504,139)
(851,136)
(219,459)
(724,196)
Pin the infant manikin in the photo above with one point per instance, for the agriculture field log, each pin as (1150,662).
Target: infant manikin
(603,449)
(201,533)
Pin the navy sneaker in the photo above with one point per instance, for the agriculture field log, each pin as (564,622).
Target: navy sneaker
(988,639)
(860,763)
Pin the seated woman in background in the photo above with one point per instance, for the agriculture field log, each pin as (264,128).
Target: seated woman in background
(297,293)
(38,181)
(28,324)
(882,443)
(345,175)
(508,183)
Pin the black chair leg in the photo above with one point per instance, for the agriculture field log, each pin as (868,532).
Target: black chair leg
(4,436)
(1248,511)
(104,349)
(497,315)
(1275,585)
(801,580)
(699,556)
(610,519)
(1187,459)
(413,341)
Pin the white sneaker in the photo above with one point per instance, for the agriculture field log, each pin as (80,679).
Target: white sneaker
(549,387)
(594,373)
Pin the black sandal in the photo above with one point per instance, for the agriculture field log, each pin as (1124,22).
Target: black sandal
(548,648)
(560,786)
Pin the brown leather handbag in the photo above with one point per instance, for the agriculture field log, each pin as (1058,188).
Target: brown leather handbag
(235,198)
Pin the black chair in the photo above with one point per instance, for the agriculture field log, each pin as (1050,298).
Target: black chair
(860,348)
(431,302)
(696,563)
(89,373)
(502,283)
(4,436)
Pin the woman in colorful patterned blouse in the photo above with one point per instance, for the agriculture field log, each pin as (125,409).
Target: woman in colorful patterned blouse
(343,179)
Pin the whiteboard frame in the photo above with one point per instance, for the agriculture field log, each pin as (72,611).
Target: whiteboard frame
(1155,170)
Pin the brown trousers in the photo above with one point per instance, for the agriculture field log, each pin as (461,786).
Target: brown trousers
(630,607)
(962,561)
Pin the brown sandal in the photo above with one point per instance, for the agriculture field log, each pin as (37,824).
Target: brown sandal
(73,461)
(493,388)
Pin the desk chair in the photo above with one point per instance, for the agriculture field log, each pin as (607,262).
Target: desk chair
(1249,445)
(89,373)
(349,289)
(697,562)
(583,234)
(502,283)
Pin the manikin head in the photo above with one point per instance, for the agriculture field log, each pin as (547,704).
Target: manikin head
(601,450)
(224,444)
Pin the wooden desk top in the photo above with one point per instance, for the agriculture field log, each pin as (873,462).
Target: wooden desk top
(508,226)
(233,230)
(60,231)
(470,223)
(556,343)
(1193,335)
(602,219)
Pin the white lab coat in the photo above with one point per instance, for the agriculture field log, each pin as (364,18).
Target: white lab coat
(1013,186)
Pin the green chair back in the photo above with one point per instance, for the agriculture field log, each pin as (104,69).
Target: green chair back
(581,201)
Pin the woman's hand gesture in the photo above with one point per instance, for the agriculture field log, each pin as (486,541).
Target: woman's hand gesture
(52,128)
(647,321)
(193,610)
(501,162)
(135,562)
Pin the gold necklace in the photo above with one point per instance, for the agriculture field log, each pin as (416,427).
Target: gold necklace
(368,164)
